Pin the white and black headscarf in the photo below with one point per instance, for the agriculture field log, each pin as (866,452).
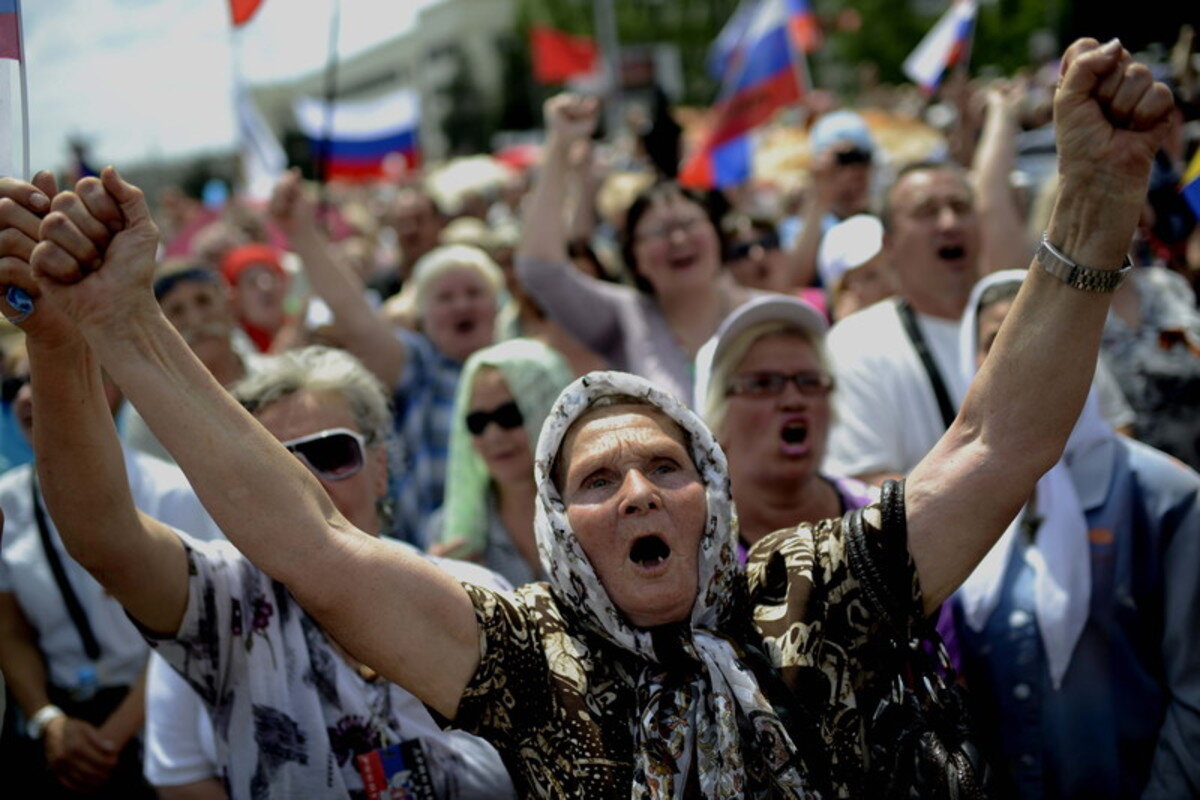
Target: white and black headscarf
(703,719)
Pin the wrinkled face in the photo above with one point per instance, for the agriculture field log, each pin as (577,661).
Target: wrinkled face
(505,451)
(676,246)
(200,312)
(933,233)
(637,506)
(988,324)
(257,297)
(780,437)
(459,314)
(863,286)
(304,413)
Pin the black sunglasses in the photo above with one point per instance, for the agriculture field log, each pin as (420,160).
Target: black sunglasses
(853,156)
(336,454)
(507,416)
(736,252)
(771,384)
(9,387)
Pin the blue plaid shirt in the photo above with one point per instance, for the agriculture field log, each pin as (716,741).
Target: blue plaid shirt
(424,412)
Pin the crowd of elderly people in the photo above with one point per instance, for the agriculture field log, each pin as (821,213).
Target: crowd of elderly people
(375,547)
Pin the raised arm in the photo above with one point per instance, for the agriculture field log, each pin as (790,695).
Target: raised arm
(1110,117)
(1004,241)
(80,464)
(363,332)
(407,619)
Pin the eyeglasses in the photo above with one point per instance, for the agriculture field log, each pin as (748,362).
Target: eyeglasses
(507,416)
(736,252)
(335,454)
(770,384)
(664,231)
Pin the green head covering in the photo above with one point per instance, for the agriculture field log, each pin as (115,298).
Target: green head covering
(535,375)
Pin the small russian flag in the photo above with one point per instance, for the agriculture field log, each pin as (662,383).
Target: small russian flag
(10,30)
(948,43)
(363,133)
(764,76)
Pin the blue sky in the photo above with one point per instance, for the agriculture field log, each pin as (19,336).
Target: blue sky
(143,79)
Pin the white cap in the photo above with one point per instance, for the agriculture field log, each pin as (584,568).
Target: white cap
(772,307)
(849,244)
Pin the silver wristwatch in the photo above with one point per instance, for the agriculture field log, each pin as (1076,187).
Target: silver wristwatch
(1089,279)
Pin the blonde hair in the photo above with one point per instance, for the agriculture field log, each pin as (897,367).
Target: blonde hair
(447,258)
(716,403)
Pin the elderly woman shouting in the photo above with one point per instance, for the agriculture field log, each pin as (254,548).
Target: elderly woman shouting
(638,669)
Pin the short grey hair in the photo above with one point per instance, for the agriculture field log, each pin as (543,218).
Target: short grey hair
(320,369)
(716,404)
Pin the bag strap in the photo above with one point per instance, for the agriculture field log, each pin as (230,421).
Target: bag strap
(909,320)
(90,646)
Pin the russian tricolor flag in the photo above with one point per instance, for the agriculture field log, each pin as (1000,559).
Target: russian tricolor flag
(763,77)
(10,30)
(948,43)
(363,134)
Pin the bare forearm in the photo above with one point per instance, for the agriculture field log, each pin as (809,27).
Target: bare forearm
(363,331)
(207,789)
(543,228)
(127,718)
(20,660)
(1021,407)
(802,259)
(81,471)
(264,500)
(1004,241)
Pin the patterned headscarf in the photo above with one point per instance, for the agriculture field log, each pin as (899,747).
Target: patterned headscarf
(703,719)
(535,374)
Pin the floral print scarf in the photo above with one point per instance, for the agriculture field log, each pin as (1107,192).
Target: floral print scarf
(690,722)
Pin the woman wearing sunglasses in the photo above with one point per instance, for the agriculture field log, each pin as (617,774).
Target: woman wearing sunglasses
(648,666)
(296,710)
(763,385)
(505,393)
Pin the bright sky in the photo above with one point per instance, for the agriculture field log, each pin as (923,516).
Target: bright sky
(141,79)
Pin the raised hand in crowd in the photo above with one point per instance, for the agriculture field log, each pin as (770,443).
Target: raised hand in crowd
(356,324)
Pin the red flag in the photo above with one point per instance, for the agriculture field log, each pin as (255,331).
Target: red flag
(559,56)
(243,10)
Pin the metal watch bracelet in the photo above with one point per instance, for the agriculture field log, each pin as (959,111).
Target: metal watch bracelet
(1088,279)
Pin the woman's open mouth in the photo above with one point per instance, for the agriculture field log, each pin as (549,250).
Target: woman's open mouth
(464,326)
(649,552)
(793,437)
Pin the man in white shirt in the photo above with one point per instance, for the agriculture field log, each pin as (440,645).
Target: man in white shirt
(888,414)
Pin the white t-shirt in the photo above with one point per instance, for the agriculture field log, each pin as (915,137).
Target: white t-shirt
(886,413)
(161,491)
(291,714)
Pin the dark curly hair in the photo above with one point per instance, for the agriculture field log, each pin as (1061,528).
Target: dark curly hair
(715,207)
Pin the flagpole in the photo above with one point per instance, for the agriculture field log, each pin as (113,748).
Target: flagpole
(24,92)
(610,47)
(326,149)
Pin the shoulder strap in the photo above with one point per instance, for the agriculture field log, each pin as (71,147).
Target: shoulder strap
(909,320)
(90,646)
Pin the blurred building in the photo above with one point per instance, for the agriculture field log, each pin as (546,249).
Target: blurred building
(455,47)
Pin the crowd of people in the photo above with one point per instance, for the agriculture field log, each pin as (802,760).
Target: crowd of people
(602,486)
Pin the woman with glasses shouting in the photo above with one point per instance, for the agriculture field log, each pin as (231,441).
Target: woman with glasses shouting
(763,385)
(504,396)
(670,244)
